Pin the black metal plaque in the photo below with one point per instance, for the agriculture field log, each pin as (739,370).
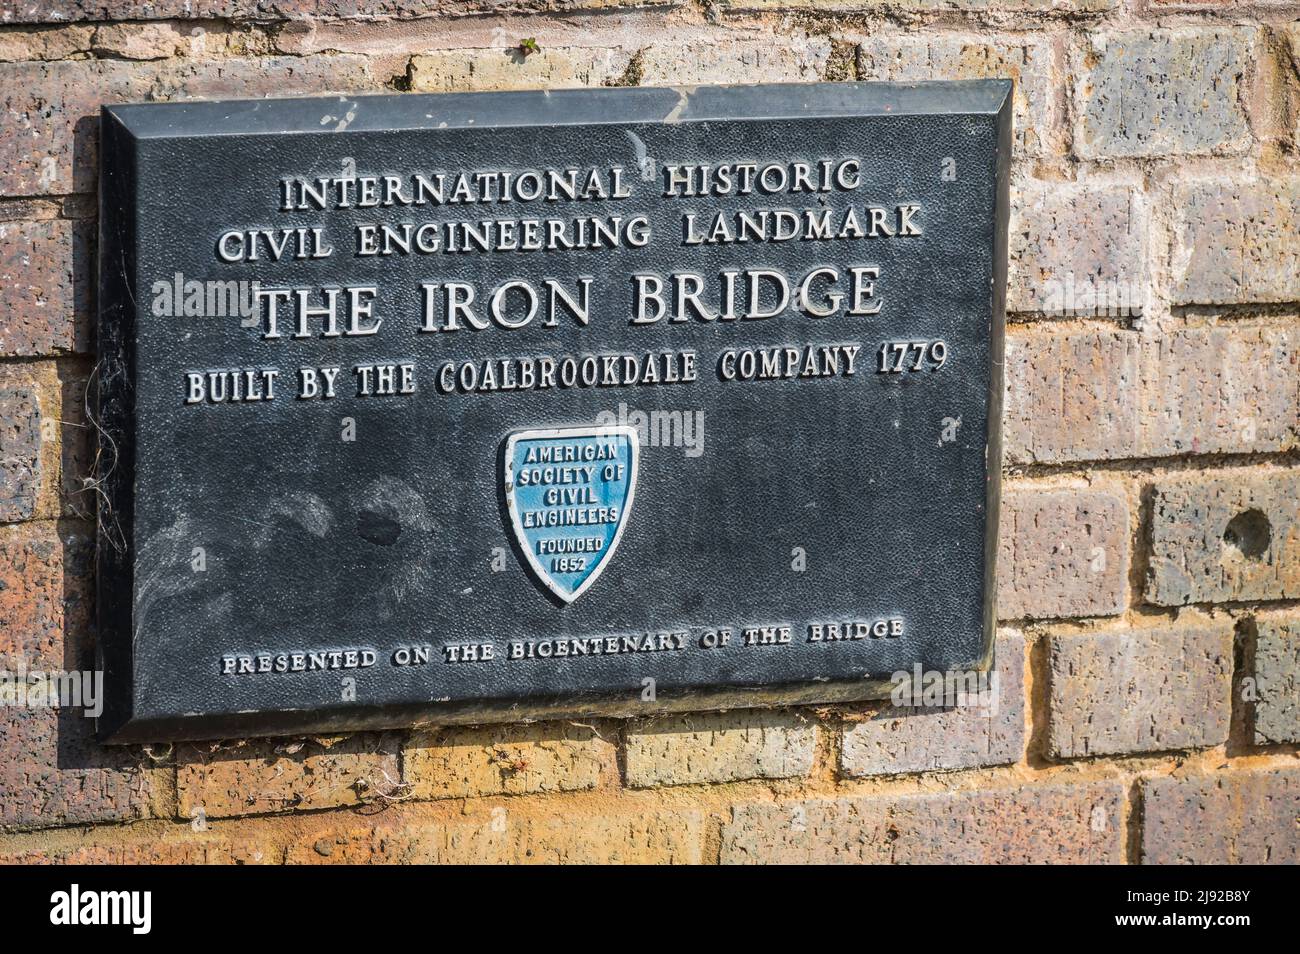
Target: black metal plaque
(501,406)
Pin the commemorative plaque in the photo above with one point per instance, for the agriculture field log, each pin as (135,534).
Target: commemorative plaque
(479,407)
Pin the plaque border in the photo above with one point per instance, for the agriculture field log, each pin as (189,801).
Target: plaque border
(123,131)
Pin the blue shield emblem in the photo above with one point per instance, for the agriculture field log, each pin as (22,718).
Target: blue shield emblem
(568,492)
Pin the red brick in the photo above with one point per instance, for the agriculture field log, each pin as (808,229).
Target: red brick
(139,849)
(1026,825)
(1233,390)
(1062,553)
(63,11)
(476,761)
(708,747)
(257,777)
(45,270)
(48,111)
(1144,690)
(501,836)
(1249,817)
(898,739)
(1277,680)
(20,452)
(1237,241)
(52,771)
(1112,395)
(1233,536)
(1071,397)
(45,593)
(1078,249)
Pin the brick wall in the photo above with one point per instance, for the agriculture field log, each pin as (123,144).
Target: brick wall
(1150,576)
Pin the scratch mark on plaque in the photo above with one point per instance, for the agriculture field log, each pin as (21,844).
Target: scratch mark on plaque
(163,569)
(684,94)
(643,161)
(303,508)
(345,120)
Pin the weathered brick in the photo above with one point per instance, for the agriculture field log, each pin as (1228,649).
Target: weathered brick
(1246,817)
(260,777)
(48,111)
(45,270)
(1277,680)
(506,760)
(52,771)
(1290,36)
(46,596)
(1028,60)
(45,445)
(1220,391)
(735,61)
(47,43)
(548,68)
(849,6)
(20,452)
(1237,241)
(916,739)
(1226,538)
(1163,92)
(43,11)
(719,747)
(1078,249)
(1111,395)
(132,849)
(76,445)
(501,836)
(1214,4)
(1143,690)
(147,41)
(1062,553)
(1072,396)
(1025,825)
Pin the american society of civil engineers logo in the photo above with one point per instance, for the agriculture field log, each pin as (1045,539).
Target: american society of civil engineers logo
(568,491)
